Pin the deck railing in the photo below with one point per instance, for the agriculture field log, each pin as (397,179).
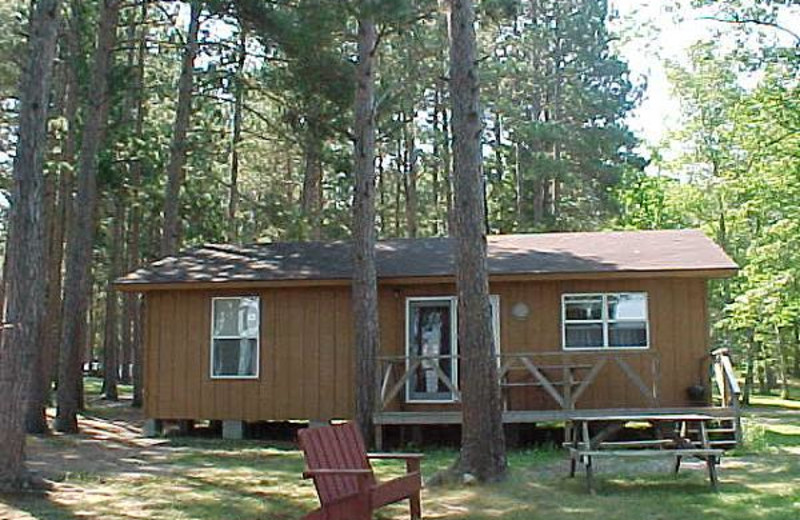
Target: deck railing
(728,386)
(564,376)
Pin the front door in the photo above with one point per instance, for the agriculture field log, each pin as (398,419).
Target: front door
(431,341)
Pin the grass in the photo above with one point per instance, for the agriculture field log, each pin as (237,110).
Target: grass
(197,478)
(774,400)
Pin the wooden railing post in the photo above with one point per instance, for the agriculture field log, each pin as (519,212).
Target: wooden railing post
(730,392)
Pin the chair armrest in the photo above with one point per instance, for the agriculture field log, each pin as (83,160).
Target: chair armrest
(311,473)
(412,459)
(397,456)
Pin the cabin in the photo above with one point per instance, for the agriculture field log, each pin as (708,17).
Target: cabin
(583,323)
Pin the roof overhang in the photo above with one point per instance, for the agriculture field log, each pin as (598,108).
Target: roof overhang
(223,285)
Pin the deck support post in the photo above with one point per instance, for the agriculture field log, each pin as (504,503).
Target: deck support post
(185,427)
(233,430)
(153,428)
(512,435)
(379,437)
(416,435)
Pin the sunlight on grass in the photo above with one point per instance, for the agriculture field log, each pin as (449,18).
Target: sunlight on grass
(204,479)
(773,401)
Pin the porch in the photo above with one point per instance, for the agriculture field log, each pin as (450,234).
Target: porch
(551,387)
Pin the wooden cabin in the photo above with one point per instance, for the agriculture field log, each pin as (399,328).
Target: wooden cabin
(582,321)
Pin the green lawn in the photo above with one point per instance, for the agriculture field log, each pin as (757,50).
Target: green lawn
(773,400)
(195,478)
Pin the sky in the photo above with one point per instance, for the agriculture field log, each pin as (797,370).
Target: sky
(654,31)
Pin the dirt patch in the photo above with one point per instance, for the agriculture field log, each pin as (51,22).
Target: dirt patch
(103,446)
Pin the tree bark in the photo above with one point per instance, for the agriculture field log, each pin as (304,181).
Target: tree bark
(133,307)
(482,440)
(365,285)
(171,234)
(750,362)
(312,181)
(410,178)
(782,363)
(499,173)
(518,198)
(437,100)
(383,205)
(111,342)
(77,276)
(25,283)
(39,389)
(447,177)
(236,137)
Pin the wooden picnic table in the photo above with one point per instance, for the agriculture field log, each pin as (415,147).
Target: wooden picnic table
(672,437)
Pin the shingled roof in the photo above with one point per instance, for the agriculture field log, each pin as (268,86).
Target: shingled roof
(679,251)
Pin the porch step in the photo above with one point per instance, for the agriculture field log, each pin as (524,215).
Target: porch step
(718,442)
(714,430)
(721,430)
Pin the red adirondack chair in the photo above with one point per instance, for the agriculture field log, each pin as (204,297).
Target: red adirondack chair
(337,460)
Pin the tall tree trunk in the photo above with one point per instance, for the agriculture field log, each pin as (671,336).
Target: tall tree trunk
(171,234)
(437,100)
(499,173)
(365,285)
(383,209)
(126,317)
(36,421)
(796,340)
(782,363)
(518,199)
(133,308)
(447,161)
(132,99)
(25,281)
(482,441)
(288,179)
(397,193)
(749,374)
(410,178)
(39,389)
(539,199)
(77,276)
(312,180)
(111,329)
(236,137)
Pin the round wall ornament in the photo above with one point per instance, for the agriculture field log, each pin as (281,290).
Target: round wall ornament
(520,311)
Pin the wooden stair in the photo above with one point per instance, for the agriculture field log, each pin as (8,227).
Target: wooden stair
(722,433)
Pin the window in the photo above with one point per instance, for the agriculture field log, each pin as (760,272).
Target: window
(234,337)
(612,320)
(432,334)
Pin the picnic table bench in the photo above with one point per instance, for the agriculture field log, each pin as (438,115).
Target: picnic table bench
(672,439)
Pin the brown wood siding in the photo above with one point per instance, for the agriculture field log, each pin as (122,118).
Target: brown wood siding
(307,359)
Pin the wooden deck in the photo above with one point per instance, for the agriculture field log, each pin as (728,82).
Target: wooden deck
(564,380)
(563,377)
(539,416)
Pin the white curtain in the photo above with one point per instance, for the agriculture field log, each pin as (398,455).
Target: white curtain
(245,358)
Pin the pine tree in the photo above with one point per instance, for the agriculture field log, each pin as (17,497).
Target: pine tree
(78,264)
(365,283)
(25,280)
(482,440)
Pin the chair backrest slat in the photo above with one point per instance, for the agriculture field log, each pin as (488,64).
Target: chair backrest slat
(334,447)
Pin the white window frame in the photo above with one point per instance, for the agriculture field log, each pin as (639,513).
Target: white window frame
(214,300)
(494,301)
(604,321)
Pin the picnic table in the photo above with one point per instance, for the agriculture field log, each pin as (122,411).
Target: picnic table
(673,435)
